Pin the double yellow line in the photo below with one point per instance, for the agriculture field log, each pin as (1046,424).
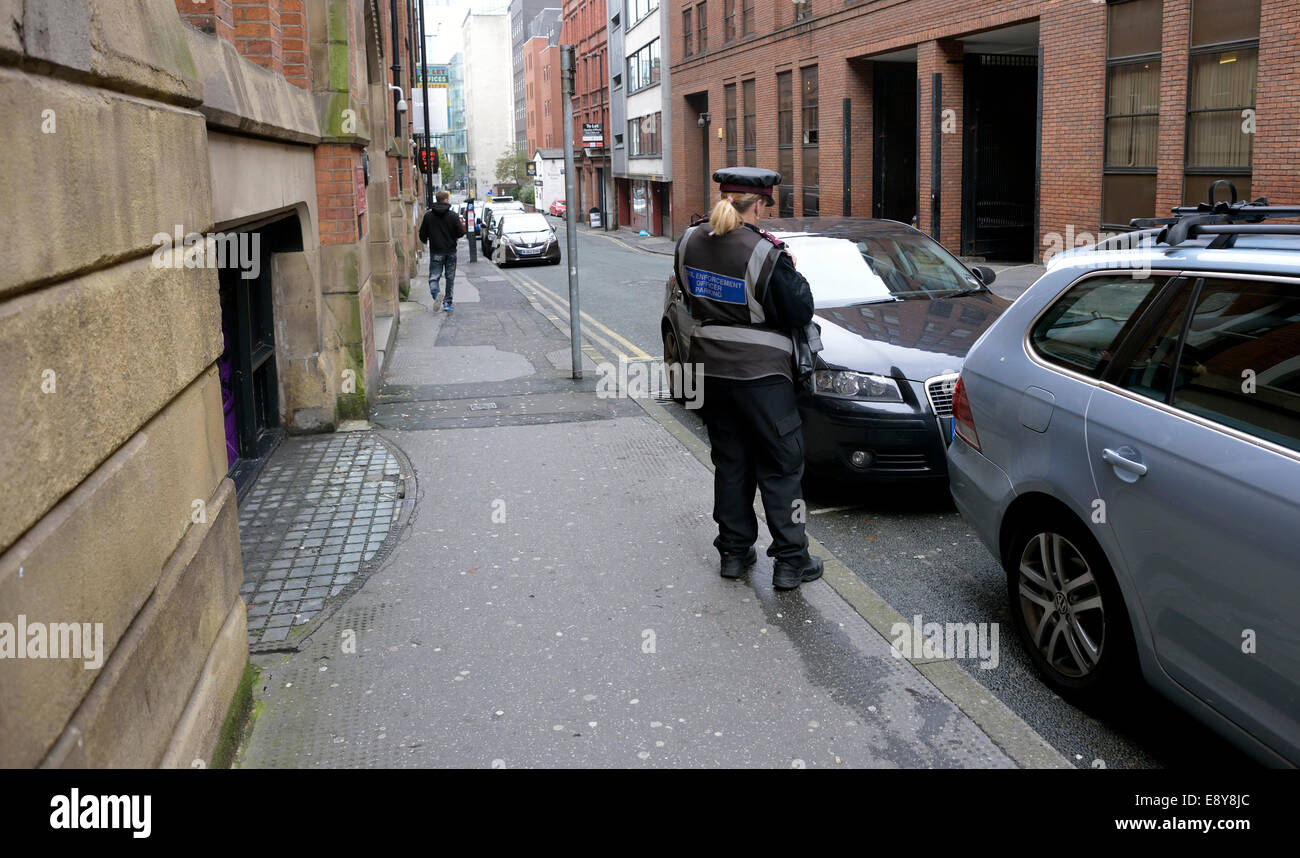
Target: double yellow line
(615,345)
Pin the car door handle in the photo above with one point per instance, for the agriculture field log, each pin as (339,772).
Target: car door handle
(1114,457)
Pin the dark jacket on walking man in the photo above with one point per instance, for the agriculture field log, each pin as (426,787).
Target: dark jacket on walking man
(442,229)
(741,285)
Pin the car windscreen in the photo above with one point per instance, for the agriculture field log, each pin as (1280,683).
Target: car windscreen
(524,223)
(876,266)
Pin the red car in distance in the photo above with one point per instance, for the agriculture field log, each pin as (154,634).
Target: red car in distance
(557,208)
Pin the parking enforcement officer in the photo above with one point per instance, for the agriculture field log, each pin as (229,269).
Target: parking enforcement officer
(741,285)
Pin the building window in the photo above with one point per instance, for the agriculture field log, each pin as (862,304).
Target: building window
(747,17)
(688,35)
(643,67)
(638,9)
(802,9)
(643,136)
(785,143)
(811,151)
(728,21)
(750,129)
(702,27)
(1221,97)
(1132,111)
(729,91)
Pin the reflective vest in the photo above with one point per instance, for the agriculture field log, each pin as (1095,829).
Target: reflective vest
(724,280)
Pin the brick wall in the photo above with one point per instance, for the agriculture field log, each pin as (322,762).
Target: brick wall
(841,39)
(1175,38)
(336,165)
(211,16)
(1277,134)
(257,32)
(293,28)
(945,59)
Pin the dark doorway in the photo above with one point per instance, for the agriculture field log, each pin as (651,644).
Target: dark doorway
(249,376)
(998,185)
(894,155)
(697,113)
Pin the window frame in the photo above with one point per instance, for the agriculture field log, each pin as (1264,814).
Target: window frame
(749,121)
(702,27)
(728,21)
(1189,111)
(785,150)
(634,19)
(730,140)
(1177,285)
(635,138)
(633,81)
(806,146)
(1107,170)
(688,32)
(746,18)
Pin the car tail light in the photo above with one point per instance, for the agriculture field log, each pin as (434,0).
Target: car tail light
(964,421)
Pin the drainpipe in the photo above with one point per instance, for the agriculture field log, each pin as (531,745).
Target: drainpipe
(397,83)
(424,76)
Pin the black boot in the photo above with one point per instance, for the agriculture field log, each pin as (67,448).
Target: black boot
(734,565)
(787,576)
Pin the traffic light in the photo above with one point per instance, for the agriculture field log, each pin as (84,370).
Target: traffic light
(429,159)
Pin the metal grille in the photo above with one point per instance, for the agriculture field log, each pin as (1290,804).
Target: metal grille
(939,390)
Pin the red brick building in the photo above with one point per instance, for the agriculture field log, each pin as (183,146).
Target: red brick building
(585,27)
(542,92)
(997,125)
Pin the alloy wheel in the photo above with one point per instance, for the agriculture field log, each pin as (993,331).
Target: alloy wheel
(1061,604)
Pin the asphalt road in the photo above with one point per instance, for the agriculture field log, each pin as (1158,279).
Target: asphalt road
(912,548)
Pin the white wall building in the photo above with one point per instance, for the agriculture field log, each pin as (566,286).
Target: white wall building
(489,94)
(548,184)
(640,112)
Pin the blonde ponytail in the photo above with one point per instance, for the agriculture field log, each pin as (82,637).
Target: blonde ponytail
(727,213)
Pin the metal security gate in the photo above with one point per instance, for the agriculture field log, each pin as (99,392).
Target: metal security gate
(999,193)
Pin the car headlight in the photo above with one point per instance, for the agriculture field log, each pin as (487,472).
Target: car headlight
(855,385)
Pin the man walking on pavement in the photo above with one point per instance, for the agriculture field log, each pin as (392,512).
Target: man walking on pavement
(441,229)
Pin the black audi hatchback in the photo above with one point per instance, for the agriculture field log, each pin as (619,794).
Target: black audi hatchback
(897,313)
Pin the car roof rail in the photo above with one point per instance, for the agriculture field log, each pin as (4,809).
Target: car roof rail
(1222,219)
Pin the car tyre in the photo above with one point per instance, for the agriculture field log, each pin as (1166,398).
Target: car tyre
(1068,610)
(673,364)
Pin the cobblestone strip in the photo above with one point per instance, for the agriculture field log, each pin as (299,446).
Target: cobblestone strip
(322,515)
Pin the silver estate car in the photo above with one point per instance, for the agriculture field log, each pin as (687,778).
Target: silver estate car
(1128,446)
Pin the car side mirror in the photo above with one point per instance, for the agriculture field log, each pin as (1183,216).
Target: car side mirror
(985,274)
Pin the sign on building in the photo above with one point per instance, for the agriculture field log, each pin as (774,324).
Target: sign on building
(593,135)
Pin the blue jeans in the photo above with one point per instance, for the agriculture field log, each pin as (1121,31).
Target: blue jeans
(439,264)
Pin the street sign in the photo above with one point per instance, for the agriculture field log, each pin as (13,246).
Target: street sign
(361,190)
(593,135)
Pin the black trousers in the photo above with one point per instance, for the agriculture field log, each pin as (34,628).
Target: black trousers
(757,440)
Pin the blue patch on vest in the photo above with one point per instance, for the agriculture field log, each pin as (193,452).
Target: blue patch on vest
(715,287)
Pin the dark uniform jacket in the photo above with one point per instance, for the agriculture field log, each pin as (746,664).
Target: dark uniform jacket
(441,228)
(744,291)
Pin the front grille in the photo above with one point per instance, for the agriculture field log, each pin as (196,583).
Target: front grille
(899,462)
(939,391)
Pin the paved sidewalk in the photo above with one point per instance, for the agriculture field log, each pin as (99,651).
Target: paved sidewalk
(555,602)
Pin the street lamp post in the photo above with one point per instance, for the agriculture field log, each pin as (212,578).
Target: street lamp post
(570,217)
